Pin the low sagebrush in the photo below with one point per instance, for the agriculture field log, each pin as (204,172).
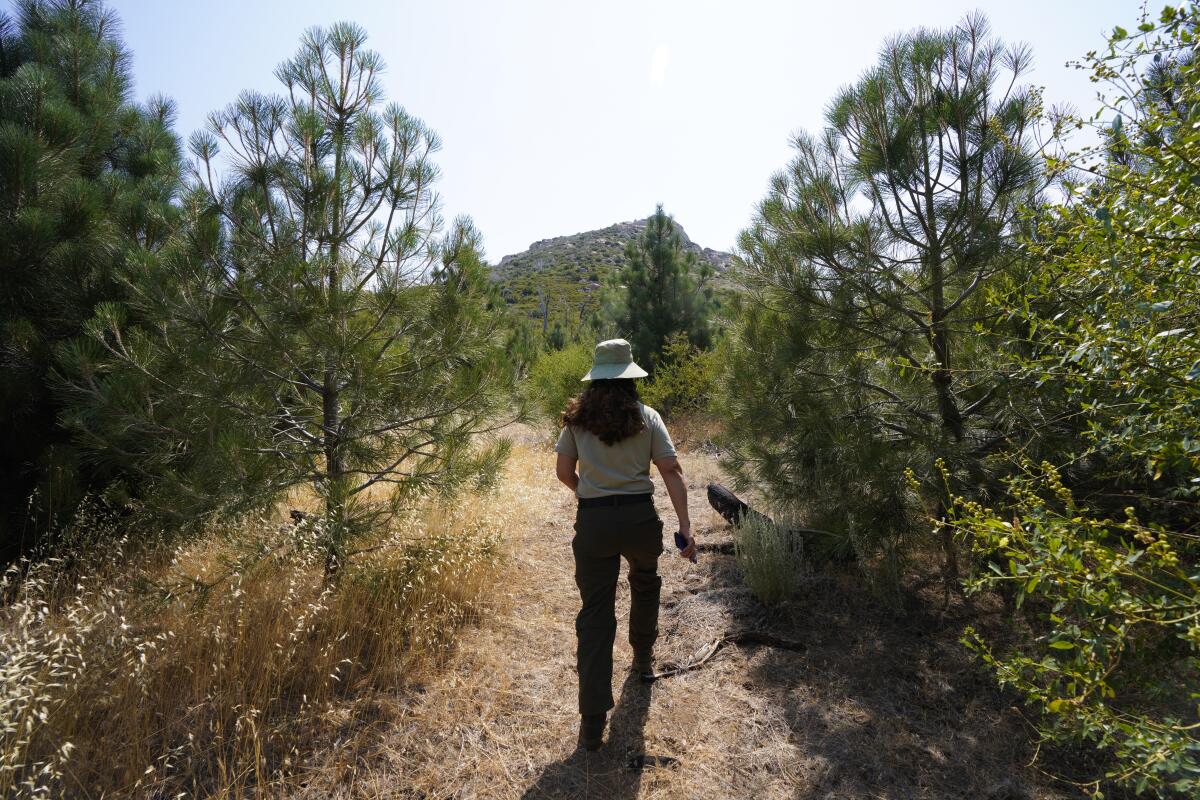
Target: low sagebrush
(770,558)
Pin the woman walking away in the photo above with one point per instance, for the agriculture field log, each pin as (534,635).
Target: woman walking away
(612,437)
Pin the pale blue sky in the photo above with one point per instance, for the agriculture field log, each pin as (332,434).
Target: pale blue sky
(562,116)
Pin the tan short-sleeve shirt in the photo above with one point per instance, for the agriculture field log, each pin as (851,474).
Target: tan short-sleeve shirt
(621,468)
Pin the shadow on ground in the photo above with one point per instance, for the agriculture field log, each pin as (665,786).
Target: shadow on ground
(605,774)
(884,700)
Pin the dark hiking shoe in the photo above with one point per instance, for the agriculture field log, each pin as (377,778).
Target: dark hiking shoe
(643,662)
(591,731)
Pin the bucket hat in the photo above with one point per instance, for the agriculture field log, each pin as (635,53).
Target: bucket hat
(613,359)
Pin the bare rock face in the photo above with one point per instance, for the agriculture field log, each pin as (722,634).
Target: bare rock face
(593,253)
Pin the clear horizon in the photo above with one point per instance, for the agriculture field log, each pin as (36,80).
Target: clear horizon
(560,118)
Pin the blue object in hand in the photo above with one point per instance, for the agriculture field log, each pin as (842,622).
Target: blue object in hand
(681,542)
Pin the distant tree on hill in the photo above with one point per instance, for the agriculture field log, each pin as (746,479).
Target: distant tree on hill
(864,345)
(557,338)
(86,182)
(310,325)
(662,290)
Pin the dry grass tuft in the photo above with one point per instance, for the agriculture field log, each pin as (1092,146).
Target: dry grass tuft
(695,433)
(215,670)
(769,559)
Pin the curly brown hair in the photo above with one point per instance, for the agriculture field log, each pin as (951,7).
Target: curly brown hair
(609,409)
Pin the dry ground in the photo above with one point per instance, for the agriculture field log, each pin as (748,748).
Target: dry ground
(881,702)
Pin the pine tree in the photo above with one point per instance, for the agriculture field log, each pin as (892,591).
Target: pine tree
(310,323)
(866,346)
(86,178)
(660,292)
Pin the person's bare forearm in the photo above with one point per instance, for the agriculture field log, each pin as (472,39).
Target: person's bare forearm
(672,475)
(677,490)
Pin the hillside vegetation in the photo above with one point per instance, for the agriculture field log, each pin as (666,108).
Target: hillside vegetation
(561,279)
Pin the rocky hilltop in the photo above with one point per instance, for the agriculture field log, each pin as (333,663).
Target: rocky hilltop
(558,280)
(591,254)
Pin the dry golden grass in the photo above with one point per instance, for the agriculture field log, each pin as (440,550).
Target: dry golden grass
(500,721)
(277,688)
(883,702)
(216,670)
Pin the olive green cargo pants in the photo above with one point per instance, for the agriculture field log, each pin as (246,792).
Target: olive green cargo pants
(602,536)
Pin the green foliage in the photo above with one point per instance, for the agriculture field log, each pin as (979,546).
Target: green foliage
(662,290)
(681,385)
(684,380)
(309,325)
(790,433)
(553,299)
(555,378)
(1109,570)
(556,339)
(768,558)
(862,343)
(1120,264)
(523,343)
(87,180)
(559,284)
(1117,661)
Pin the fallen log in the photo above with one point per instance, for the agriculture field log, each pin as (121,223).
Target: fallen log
(730,507)
(735,512)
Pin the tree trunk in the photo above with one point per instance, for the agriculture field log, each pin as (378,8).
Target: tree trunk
(939,341)
(335,502)
(333,474)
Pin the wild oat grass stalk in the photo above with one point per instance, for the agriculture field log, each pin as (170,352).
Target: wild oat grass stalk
(206,673)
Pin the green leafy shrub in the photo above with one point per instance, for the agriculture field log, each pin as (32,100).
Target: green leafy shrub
(1098,545)
(683,381)
(554,379)
(1116,663)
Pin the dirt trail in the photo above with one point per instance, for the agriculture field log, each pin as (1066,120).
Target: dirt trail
(872,707)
